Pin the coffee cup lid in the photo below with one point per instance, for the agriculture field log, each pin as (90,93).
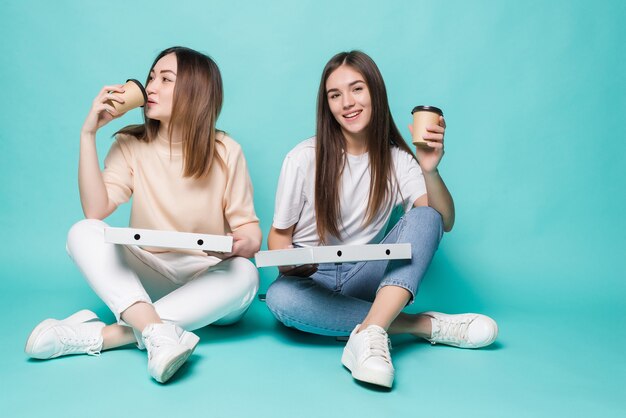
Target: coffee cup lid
(143,91)
(427,109)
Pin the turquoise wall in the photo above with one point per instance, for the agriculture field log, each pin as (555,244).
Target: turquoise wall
(533,92)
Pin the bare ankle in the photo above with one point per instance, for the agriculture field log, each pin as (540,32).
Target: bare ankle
(423,326)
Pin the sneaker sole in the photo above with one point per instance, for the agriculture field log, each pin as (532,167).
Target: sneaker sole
(365,375)
(171,367)
(189,340)
(77,318)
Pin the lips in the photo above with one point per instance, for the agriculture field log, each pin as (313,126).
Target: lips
(352,115)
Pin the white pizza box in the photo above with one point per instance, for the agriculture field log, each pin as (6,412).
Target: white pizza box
(332,254)
(168,239)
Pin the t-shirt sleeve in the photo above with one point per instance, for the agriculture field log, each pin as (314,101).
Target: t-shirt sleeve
(289,194)
(411,180)
(118,173)
(238,196)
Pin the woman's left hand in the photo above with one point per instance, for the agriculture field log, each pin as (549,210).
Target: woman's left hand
(429,157)
(246,242)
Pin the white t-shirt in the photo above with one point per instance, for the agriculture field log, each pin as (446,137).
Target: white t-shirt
(295,197)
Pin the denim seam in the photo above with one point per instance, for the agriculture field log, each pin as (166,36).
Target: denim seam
(352,273)
(399,225)
(399,283)
(338,282)
(292,319)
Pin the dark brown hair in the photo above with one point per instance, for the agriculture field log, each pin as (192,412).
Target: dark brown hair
(381,134)
(198,97)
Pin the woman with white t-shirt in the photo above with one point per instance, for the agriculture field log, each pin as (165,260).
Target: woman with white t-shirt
(341,187)
(184,175)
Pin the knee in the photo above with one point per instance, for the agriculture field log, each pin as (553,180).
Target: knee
(280,296)
(247,274)
(83,230)
(424,215)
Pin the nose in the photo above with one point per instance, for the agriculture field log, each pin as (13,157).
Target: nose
(151,87)
(347,101)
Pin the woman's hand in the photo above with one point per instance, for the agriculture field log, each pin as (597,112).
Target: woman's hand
(93,194)
(429,157)
(437,194)
(244,245)
(303,270)
(246,242)
(102,110)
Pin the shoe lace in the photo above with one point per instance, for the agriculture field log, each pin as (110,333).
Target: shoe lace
(451,331)
(155,341)
(378,345)
(76,344)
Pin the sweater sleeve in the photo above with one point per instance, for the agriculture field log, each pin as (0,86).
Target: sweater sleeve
(118,172)
(238,196)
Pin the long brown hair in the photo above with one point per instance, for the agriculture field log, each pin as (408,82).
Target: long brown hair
(198,97)
(381,134)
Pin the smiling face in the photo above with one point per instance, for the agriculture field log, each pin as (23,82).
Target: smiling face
(349,101)
(160,89)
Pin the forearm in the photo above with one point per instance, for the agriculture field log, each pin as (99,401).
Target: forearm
(93,194)
(279,239)
(439,198)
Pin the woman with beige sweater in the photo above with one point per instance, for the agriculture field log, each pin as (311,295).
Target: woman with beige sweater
(184,175)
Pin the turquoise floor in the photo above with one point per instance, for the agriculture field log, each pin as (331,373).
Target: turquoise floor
(544,364)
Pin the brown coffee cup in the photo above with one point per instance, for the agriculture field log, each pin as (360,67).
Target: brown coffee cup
(134,96)
(424,116)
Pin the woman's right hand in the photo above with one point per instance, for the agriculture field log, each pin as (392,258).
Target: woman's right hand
(304,270)
(102,110)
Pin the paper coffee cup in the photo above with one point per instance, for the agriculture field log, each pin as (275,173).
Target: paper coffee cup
(134,96)
(424,116)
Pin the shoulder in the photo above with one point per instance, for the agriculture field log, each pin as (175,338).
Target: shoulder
(226,141)
(227,147)
(127,143)
(126,139)
(303,154)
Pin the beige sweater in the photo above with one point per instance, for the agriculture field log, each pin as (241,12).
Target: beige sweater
(163,199)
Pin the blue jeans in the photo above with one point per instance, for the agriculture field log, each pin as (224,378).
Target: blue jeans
(338,296)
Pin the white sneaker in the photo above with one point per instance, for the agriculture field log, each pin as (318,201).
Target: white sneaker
(80,333)
(367,356)
(464,330)
(169,346)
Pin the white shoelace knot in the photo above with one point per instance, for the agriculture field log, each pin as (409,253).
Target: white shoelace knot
(378,344)
(451,331)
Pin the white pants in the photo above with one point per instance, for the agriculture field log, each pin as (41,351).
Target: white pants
(188,290)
